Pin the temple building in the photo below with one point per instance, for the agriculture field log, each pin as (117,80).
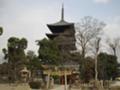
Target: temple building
(64,33)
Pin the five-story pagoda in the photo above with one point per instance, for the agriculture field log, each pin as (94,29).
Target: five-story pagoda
(64,34)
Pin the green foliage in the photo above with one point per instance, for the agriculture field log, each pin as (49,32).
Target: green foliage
(35,84)
(107,66)
(34,62)
(1,31)
(34,65)
(49,52)
(15,55)
(87,69)
(4,50)
(3,68)
(16,49)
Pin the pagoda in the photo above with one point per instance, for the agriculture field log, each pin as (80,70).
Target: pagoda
(63,32)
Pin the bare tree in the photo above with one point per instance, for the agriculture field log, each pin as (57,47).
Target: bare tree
(113,44)
(86,30)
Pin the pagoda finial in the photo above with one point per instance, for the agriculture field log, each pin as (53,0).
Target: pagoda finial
(62,13)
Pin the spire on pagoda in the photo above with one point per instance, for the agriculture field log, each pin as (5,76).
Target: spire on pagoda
(62,12)
(61,25)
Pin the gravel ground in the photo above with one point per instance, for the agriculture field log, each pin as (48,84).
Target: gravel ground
(116,83)
(14,87)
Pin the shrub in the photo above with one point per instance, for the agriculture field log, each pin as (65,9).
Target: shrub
(35,84)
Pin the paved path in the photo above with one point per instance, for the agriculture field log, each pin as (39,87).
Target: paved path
(58,87)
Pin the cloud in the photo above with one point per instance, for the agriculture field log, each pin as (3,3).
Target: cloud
(112,30)
(113,27)
(24,20)
(102,1)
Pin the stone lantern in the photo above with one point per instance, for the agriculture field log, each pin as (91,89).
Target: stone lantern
(25,74)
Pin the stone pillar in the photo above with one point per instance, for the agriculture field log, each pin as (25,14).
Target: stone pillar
(65,76)
(48,81)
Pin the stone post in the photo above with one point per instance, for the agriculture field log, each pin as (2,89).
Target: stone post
(65,80)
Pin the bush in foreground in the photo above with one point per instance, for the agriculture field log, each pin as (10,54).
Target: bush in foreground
(35,84)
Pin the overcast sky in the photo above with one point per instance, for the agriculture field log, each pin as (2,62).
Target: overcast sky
(28,18)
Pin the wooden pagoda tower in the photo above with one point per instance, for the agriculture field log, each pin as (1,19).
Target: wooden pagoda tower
(63,33)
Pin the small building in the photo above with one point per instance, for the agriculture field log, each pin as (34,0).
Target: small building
(70,71)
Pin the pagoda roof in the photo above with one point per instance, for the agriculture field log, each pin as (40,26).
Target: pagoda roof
(51,36)
(61,23)
(60,26)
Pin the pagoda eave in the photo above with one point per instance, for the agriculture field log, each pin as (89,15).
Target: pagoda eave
(59,28)
(51,36)
(60,24)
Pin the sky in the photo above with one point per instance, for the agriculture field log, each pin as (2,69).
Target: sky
(28,18)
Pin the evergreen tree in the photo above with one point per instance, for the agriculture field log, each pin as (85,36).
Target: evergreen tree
(15,55)
(49,52)
(107,66)
(1,31)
